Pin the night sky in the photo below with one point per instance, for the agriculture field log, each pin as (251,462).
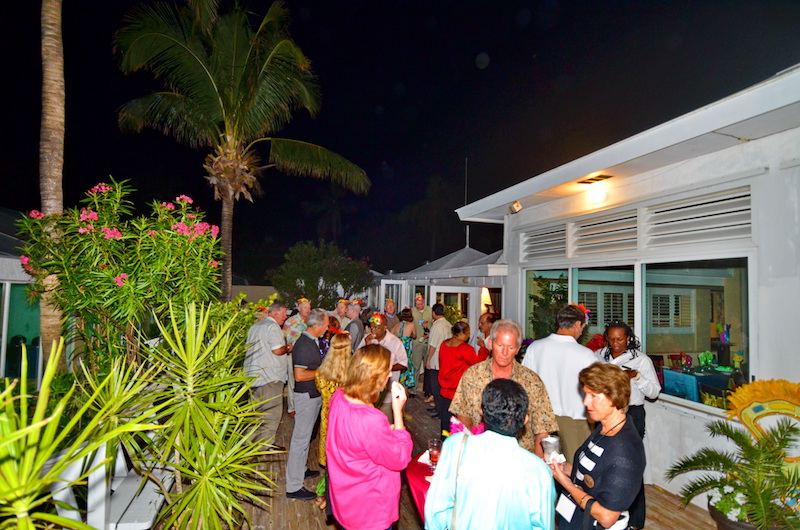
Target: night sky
(411,89)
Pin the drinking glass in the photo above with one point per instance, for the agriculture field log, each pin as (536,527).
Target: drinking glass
(434,450)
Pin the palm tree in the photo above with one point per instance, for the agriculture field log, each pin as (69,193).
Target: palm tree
(229,87)
(51,151)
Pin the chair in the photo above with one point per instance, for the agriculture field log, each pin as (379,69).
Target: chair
(658,364)
(681,385)
(680,359)
(713,396)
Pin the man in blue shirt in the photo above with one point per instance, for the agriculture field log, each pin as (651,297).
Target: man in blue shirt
(490,480)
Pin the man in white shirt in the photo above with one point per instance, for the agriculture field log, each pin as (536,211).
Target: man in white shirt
(478,340)
(399,359)
(557,360)
(440,332)
(267,359)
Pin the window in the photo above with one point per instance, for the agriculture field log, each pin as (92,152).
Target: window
(694,308)
(671,311)
(608,293)
(546,292)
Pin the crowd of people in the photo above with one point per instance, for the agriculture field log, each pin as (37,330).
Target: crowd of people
(353,369)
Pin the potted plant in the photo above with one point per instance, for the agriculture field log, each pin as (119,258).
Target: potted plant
(754,485)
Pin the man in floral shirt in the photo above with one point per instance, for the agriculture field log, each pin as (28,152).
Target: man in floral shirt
(504,341)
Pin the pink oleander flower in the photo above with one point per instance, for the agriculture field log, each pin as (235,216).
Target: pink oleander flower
(168,205)
(213,263)
(88,215)
(111,233)
(120,280)
(214,230)
(86,229)
(36,214)
(201,228)
(191,216)
(184,198)
(152,233)
(183,229)
(25,261)
(101,188)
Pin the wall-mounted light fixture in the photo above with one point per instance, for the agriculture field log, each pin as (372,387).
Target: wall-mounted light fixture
(597,193)
(515,207)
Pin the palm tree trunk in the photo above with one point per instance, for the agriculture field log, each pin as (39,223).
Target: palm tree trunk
(226,241)
(51,152)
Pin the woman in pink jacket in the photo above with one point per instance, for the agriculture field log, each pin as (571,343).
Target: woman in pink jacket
(365,453)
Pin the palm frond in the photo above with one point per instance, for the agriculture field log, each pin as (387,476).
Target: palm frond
(205,11)
(307,159)
(166,42)
(172,114)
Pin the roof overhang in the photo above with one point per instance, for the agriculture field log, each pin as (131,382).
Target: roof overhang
(767,108)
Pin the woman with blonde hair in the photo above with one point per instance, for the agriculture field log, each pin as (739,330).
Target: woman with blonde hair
(330,376)
(365,454)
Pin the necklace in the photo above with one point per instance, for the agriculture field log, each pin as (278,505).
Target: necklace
(615,426)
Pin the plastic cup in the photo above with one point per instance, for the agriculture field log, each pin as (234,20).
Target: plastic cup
(434,450)
(551,445)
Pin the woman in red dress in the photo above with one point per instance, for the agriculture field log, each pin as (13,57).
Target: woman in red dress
(455,356)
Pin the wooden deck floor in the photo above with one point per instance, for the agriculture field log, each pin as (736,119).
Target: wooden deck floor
(663,508)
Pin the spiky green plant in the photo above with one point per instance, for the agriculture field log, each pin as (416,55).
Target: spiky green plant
(756,468)
(36,450)
(208,421)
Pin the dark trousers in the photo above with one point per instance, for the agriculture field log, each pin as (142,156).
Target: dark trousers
(444,414)
(638,509)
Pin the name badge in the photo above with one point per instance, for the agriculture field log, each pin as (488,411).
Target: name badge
(565,507)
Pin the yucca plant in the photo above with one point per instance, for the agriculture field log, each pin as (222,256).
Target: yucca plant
(35,450)
(208,421)
(751,483)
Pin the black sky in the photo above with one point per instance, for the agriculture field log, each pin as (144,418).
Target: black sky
(410,90)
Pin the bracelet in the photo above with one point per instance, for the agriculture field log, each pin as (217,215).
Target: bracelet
(581,501)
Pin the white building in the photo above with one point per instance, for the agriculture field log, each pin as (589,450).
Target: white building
(676,230)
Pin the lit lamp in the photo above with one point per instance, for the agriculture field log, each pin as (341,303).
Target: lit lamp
(597,193)
(486,300)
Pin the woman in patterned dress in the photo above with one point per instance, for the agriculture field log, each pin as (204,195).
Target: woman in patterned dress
(406,331)
(330,376)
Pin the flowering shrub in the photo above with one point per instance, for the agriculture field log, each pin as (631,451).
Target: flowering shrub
(730,501)
(116,271)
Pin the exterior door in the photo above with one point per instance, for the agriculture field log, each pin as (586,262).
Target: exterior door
(394,289)
(467,299)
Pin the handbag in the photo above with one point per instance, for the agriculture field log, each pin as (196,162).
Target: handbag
(455,490)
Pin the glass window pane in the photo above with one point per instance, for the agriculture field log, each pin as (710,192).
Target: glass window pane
(546,292)
(23,328)
(608,293)
(697,322)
